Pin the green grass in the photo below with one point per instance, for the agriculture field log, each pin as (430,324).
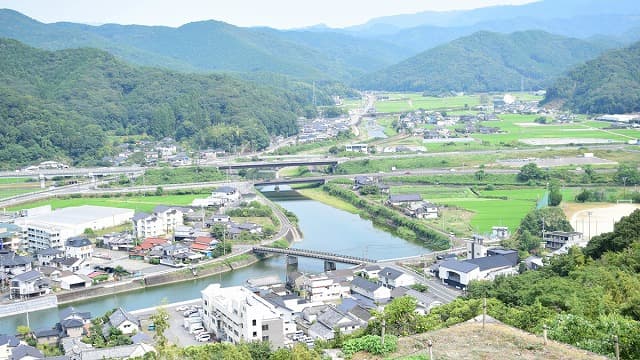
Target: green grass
(414,101)
(16,186)
(137,203)
(488,212)
(321,196)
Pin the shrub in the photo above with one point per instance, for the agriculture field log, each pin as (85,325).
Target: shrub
(371,344)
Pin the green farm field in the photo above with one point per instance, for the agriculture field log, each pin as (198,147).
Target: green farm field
(488,210)
(415,101)
(137,203)
(16,186)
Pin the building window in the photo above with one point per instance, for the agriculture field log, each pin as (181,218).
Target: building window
(265,338)
(254,322)
(255,333)
(265,327)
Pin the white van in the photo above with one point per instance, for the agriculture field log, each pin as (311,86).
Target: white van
(195,327)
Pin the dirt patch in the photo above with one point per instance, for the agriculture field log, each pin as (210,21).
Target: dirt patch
(496,341)
(595,219)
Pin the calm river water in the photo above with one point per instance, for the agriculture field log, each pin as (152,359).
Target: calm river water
(324,228)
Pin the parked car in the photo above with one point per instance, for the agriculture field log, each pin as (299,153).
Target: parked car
(195,327)
(151,327)
(182,308)
(204,338)
(188,312)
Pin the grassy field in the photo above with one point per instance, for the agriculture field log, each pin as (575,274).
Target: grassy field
(137,203)
(321,196)
(17,186)
(488,210)
(414,101)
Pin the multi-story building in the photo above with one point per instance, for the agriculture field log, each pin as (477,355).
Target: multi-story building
(162,221)
(11,237)
(554,240)
(323,288)
(79,247)
(237,315)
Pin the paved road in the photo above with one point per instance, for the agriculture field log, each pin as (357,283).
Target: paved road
(445,293)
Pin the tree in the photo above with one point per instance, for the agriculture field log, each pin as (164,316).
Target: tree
(627,174)
(159,191)
(555,197)
(531,171)
(334,150)
(161,321)
(480,175)
(625,232)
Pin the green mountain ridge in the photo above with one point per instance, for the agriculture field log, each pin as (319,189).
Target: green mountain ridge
(485,61)
(609,84)
(65,103)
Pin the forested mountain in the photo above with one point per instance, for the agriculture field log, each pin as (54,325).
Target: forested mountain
(485,61)
(609,84)
(64,103)
(213,46)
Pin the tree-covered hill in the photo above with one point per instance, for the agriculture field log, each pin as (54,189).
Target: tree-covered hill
(485,61)
(213,46)
(64,103)
(609,84)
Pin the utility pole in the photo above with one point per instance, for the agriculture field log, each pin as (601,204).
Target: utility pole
(616,342)
(589,213)
(384,328)
(544,333)
(484,311)
(430,345)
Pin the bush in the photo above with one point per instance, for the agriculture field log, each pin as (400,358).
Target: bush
(371,344)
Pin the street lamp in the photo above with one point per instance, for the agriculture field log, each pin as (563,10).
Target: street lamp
(589,213)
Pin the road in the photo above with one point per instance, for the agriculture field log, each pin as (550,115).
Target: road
(444,293)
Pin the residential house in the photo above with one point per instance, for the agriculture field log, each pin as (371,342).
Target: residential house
(500,232)
(424,210)
(73,323)
(123,321)
(533,262)
(183,232)
(370,271)
(70,281)
(13,264)
(225,194)
(29,284)
(47,256)
(11,237)
(371,290)
(405,200)
(69,264)
(361,148)
(25,352)
(47,336)
(392,278)
(460,273)
(143,249)
(322,288)
(79,247)
(555,240)
(204,245)
(236,314)
(425,301)
(133,351)
(7,344)
(331,319)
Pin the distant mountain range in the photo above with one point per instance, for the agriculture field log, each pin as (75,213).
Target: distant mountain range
(485,61)
(609,84)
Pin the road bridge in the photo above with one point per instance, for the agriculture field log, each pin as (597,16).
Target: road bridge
(330,259)
(315,180)
(277,164)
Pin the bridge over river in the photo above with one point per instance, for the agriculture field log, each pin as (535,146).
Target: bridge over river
(330,259)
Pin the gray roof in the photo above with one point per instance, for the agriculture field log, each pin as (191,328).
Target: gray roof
(141,338)
(162,208)
(66,261)
(46,333)
(331,316)
(491,262)
(140,216)
(72,312)
(49,251)
(10,340)
(78,241)
(405,197)
(22,351)
(118,352)
(28,276)
(390,273)
(365,284)
(460,266)
(225,189)
(71,323)
(10,259)
(119,316)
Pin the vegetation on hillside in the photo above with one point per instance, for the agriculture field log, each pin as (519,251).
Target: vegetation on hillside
(609,84)
(484,61)
(63,104)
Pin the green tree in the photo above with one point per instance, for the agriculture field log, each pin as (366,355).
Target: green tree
(627,174)
(531,171)
(161,321)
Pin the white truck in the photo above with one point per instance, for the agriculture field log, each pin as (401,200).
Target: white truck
(190,321)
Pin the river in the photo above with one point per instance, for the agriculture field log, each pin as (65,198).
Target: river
(324,228)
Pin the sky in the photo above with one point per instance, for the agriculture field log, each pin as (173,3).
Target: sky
(280,14)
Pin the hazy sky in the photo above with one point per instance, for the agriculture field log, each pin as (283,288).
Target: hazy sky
(280,14)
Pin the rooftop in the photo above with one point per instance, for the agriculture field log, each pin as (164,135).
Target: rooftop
(405,197)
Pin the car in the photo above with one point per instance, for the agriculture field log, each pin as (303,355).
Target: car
(151,327)
(198,333)
(204,338)
(189,312)
(182,308)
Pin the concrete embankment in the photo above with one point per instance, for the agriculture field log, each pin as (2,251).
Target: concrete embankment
(153,280)
(23,306)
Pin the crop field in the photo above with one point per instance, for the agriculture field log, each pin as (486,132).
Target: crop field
(137,203)
(415,101)
(520,127)
(492,208)
(16,186)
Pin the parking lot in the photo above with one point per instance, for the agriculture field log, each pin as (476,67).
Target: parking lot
(176,333)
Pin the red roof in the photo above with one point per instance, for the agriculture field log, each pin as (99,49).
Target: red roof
(149,243)
(200,246)
(204,239)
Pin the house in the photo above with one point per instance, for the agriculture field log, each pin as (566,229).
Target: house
(424,210)
(533,262)
(29,284)
(46,256)
(69,264)
(370,271)
(47,336)
(425,301)
(509,254)
(25,352)
(73,323)
(123,321)
(133,351)
(142,250)
(183,232)
(7,344)
(460,273)
(322,288)
(13,264)
(407,200)
(332,319)
(217,219)
(79,247)
(555,240)
(392,278)
(361,180)
(226,194)
(371,290)
(204,245)
(500,232)
(11,237)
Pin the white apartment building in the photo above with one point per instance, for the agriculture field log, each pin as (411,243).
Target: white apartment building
(236,314)
(43,236)
(162,221)
(322,288)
